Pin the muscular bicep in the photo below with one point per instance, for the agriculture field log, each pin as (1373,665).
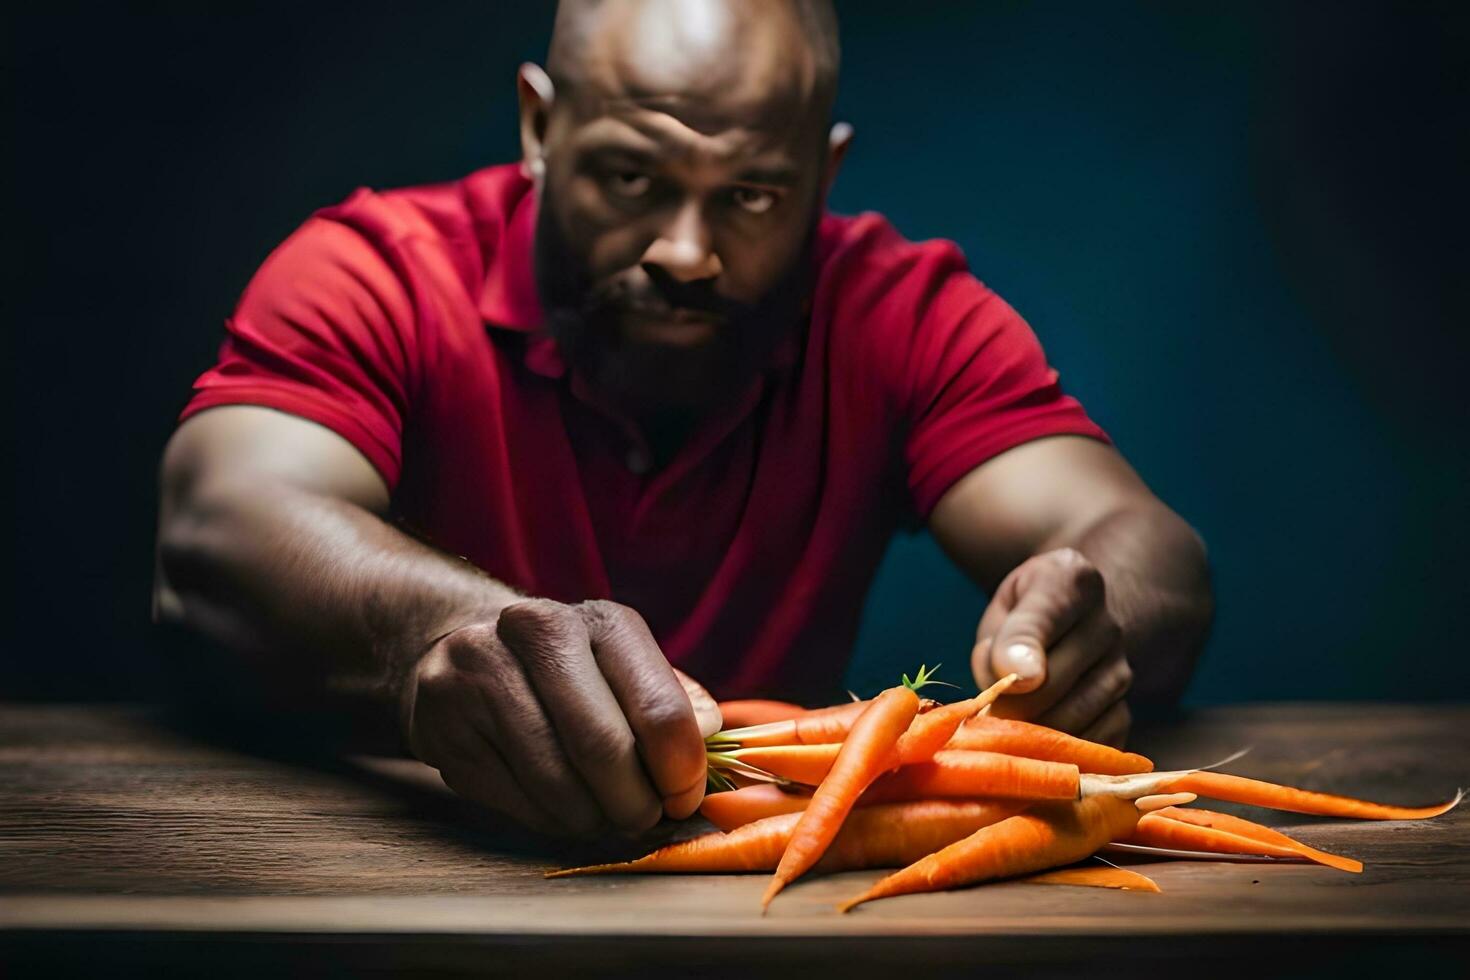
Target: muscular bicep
(244,446)
(1029,499)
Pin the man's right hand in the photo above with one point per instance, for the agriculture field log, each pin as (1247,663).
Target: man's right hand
(567,718)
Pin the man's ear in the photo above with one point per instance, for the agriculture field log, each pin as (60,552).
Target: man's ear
(838,140)
(536,97)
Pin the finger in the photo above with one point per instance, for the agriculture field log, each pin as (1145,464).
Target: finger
(980,663)
(1094,694)
(990,622)
(706,709)
(475,770)
(654,702)
(509,716)
(1051,597)
(1112,728)
(553,646)
(1087,644)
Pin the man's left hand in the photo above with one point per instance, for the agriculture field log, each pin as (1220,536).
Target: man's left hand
(1049,623)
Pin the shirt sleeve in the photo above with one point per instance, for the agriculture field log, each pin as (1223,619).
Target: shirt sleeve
(324,331)
(976,383)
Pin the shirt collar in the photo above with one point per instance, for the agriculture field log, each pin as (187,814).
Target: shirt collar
(508,298)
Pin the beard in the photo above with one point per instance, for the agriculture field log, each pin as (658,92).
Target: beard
(592,323)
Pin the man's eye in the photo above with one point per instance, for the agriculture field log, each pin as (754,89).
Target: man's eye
(629,185)
(754,200)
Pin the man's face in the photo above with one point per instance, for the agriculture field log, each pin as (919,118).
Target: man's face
(681,187)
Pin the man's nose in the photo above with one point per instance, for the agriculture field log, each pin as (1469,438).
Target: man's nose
(684,249)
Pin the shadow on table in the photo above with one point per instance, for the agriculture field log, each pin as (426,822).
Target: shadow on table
(331,746)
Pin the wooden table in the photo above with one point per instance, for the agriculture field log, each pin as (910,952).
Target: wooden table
(127,842)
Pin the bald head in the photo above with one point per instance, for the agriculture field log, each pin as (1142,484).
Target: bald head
(773,57)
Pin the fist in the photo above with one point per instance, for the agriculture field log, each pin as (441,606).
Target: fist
(567,718)
(1049,623)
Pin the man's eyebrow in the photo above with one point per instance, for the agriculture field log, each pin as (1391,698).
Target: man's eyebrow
(775,174)
(622,149)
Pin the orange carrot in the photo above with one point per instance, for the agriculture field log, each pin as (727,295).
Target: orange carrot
(757,711)
(950,773)
(1254,831)
(1105,877)
(989,734)
(876,837)
(930,731)
(817,727)
(865,754)
(1044,836)
(962,773)
(829,725)
(807,764)
(1238,789)
(1156,831)
(737,808)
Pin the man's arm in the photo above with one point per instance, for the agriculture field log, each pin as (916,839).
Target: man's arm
(1094,582)
(272,542)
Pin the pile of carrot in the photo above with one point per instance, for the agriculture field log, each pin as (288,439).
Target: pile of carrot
(953,797)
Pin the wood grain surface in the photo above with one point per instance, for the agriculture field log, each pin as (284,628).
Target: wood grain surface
(130,839)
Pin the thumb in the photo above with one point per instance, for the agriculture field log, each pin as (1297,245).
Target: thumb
(706,710)
(1034,624)
(1022,656)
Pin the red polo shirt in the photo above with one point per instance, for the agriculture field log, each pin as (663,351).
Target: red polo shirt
(407,322)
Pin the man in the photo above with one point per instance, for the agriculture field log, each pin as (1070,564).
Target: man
(669,411)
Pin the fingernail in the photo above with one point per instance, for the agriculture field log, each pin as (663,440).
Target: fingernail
(1025,660)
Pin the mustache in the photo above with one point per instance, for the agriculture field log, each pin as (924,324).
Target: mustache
(663,296)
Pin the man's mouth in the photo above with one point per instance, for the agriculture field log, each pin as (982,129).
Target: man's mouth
(675,327)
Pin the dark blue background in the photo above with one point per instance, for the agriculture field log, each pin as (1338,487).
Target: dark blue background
(1237,232)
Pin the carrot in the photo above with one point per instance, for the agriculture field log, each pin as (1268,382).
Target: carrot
(1044,836)
(742,806)
(1254,831)
(989,734)
(807,764)
(1107,877)
(961,773)
(1156,831)
(876,837)
(896,834)
(867,752)
(951,773)
(1238,789)
(810,728)
(758,711)
(930,731)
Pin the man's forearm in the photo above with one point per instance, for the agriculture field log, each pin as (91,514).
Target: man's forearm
(1158,590)
(318,592)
